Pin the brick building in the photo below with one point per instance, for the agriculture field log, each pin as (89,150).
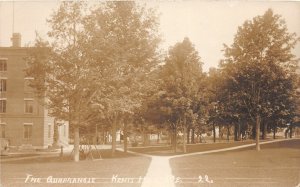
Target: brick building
(24,122)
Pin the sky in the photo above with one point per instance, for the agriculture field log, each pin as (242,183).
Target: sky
(208,24)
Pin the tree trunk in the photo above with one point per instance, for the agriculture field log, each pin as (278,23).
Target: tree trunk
(220,133)
(228,133)
(291,131)
(184,141)
(172,139)
(113,136)
(184,134)
(175,140)
(188,136)
(96,135)
(157,141)
(214,132)
(200,139)
(107,136)
(239,132)
(264,131)
(274,131)
(193,136)
(76,143)
(235,132)
(257,132)
(253,133)
(145,137)
(125,137)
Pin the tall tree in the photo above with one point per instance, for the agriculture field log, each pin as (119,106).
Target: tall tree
(96,62)
(180,93)
(60,69)
(125,39)
(214,81)
(258,66)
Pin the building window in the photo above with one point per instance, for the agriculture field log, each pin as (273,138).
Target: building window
(27,131)
(2,106)
(28,106)
(2,130)
(27,83)
(2,85)
(49,131)
(3,64)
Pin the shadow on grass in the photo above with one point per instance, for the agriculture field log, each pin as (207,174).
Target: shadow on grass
(4,157)
(292,144)
(154,150)
(191,148)
(286,145)
(201,147)
(68,157)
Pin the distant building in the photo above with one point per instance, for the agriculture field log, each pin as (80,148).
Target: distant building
(24,122)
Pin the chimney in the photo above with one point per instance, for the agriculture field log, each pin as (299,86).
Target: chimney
(16,40)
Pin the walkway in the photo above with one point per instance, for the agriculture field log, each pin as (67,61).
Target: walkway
(159,173)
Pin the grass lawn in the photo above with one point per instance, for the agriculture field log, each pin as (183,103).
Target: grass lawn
(13,173)
(191,148)
(277,164)
(154,150)
(17,156)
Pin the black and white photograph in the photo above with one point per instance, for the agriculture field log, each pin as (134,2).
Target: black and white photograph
(150,93)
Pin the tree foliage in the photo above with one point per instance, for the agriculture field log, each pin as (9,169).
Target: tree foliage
(125,40)
(96,62)
(259,68)
(103,66)
(178,100)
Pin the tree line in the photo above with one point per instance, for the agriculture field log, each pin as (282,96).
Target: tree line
(103,65)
